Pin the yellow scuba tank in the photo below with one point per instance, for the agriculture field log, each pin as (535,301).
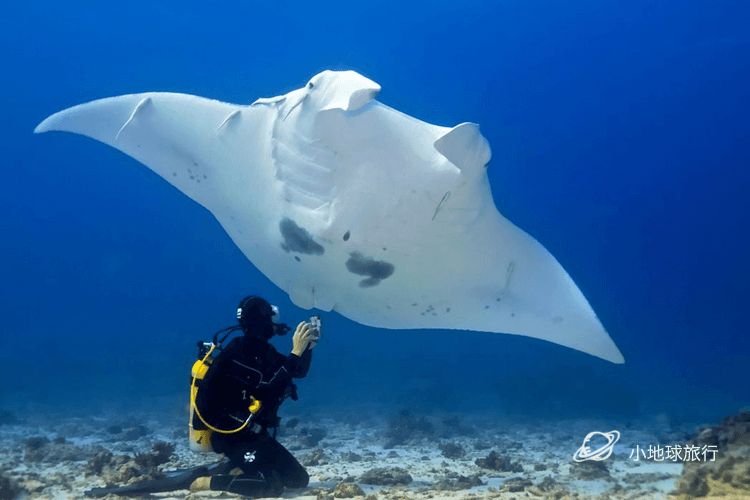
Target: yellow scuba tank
(200,431)
(200,439)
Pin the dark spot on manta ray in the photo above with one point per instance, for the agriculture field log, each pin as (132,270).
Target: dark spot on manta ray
(296,257)
(297,239)
(347,235)
(375,270)
(447,309)
(486,307)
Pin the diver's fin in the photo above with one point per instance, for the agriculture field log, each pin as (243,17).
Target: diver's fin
(173,480)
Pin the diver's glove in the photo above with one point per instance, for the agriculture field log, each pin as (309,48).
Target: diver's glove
(303,335)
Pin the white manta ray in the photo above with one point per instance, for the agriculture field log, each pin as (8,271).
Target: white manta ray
(349,205)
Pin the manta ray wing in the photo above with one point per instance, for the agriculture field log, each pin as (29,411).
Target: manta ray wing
(349,205)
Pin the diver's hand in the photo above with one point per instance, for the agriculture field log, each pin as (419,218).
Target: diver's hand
(303,335)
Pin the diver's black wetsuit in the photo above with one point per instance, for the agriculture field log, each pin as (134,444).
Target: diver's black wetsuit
(250,366)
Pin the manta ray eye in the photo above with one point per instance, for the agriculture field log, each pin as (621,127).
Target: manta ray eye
(310,85)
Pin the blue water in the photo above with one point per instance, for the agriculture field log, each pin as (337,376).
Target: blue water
(620,140)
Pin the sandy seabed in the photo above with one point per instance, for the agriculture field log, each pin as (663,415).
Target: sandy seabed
(402,455)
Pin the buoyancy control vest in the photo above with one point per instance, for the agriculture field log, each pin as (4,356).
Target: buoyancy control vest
(200,427)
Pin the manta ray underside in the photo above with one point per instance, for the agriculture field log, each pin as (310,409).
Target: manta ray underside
(349,205)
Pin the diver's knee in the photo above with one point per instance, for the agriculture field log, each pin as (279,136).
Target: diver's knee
(299,480)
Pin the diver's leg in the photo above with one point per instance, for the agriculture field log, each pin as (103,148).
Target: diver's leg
(268,456)
(291,472)
(256,460)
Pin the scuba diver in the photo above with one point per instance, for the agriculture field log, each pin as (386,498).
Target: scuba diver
(235,407)
(235,393)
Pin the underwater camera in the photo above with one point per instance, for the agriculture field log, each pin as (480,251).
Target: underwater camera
(315,323)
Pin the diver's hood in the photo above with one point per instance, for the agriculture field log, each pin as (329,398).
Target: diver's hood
(258,318)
